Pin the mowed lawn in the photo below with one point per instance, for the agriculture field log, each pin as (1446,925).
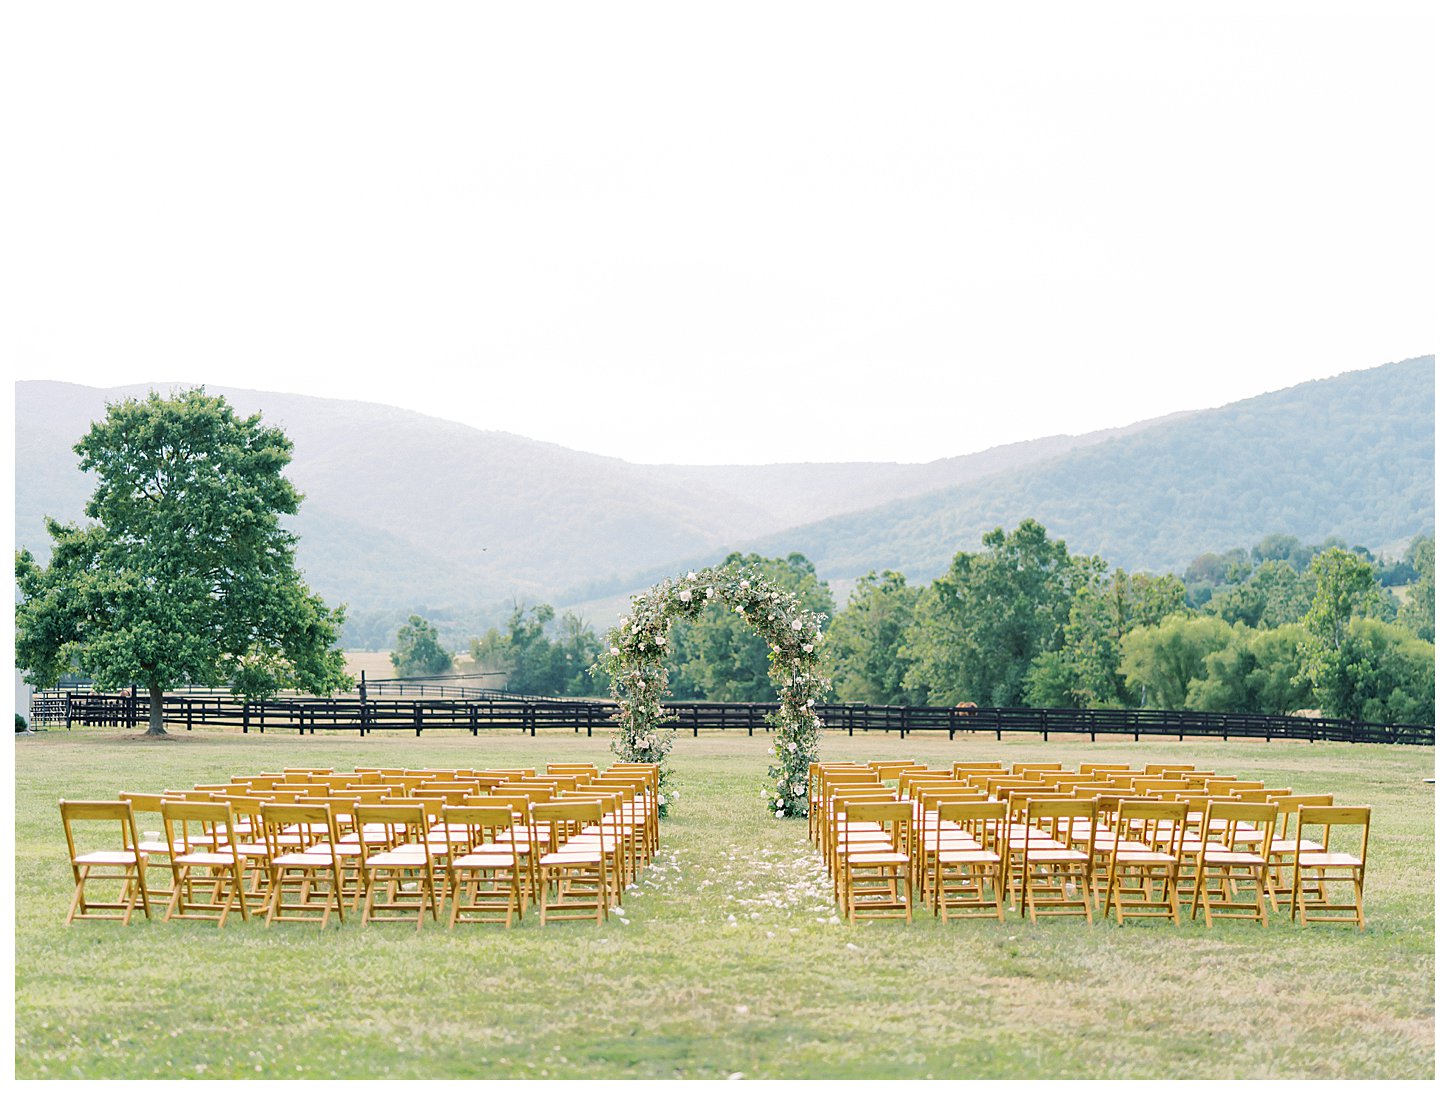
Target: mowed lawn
(728,958)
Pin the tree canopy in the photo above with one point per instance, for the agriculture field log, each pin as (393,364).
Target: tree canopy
(417,652)
(186,575)
(979,627)
(715,655)
(536,663)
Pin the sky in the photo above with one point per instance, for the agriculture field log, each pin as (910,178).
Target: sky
(727,233)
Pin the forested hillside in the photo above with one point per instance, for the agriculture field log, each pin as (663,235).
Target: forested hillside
(404,513)
(1352,456)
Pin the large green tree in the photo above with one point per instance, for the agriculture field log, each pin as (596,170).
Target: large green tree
(1160,663)
(1274,595)
(1380,673)
(1085,671)
(1417,614)
(718,656)
(866,642)
(536,661)
(186,575)
(417,651)
(978,628)
(1257,673)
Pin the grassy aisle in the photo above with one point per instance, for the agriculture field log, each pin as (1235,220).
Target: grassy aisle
(727,958)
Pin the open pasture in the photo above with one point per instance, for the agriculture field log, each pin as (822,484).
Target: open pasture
(728,957)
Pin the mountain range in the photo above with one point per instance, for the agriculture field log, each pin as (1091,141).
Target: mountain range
(408,513)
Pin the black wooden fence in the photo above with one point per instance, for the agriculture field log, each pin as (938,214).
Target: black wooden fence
(306,714)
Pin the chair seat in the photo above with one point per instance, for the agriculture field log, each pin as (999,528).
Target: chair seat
(207,859)
(160,847)
(302,859)
(1055,855)
(1329,859)
(565,857)
(968,855)
(1144,855)
(398,858)
(1232,859)
(1279,846)
(117,858)
(876,858)
(479,859)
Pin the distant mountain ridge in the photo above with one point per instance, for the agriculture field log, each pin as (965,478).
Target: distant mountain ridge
(1350,456)
(404,512)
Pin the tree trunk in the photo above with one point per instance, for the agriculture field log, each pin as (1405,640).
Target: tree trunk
(155,729)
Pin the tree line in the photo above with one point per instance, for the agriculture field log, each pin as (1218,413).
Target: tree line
(184,574)
(1274,629)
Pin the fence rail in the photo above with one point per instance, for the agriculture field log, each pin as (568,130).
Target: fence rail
(501,711)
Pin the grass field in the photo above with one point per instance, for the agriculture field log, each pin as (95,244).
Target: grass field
(727,959)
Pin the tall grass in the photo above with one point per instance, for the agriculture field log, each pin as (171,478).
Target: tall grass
(728,958)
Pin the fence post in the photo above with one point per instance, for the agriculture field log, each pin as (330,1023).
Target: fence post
(246,715)
(473,719)
(188,712)
(417,719)
(901,722)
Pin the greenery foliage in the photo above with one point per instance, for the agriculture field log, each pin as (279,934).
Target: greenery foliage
(417,652)
(867,642)
(721,656)
(186,575)
(1161,662)
(978,628)
(637,665)
(1288,628)
(540,656)
(1417,613)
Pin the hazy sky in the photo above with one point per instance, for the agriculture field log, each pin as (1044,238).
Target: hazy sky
(722,233)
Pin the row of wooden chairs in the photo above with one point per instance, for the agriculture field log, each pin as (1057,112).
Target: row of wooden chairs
(307,844)
(970,840)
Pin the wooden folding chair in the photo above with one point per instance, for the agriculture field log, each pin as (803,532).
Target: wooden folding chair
(1057,857)
(311,874)
(875,861)
(397,877)
(617,841)
(1315,871)
(145,808)
(834,826)
(1283,848)
(1147,844)
(125,864)
(575,871)
(208,864)
(486,865)
(969,872)
(1232,858)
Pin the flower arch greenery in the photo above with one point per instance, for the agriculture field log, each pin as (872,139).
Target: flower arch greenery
(635,662)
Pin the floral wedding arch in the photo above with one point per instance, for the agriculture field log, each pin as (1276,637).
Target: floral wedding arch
(635,662)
